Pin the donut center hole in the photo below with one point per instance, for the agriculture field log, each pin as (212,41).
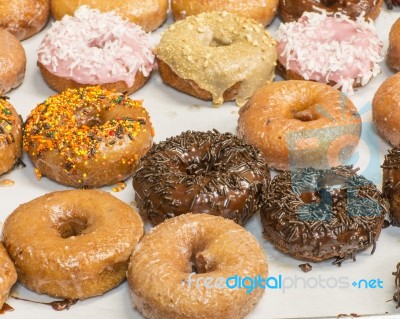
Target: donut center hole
(310,197)
(220,42)
(201,263)
(72,227)
(87,117)
(304,115)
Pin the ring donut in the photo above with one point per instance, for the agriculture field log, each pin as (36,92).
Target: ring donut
(72,244)
(215,247)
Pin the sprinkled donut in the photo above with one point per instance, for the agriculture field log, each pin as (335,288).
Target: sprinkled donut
(8,275)
(200,172)
(314,215)
(329,49)
(72,244)
(298,124)
(94,48)
(88,137)
(216,56)
(10,136)
(391,183)
(185,251)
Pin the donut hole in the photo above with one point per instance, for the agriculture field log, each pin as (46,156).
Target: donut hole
(201,262)
(220,42)
(72,226)
(310,197)
(87,117)
(305,115)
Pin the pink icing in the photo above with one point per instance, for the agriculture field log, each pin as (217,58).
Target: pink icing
(96,48)
(330,48)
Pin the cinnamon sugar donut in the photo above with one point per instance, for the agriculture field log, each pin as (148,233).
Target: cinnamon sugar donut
(94,48)
(259,10)
(298,124)
(8,275)
(168,269)
(291,10)
(24,18)
(72,244)
(10,136)
(12,62)
(87,137)
(149,14)
(216,56)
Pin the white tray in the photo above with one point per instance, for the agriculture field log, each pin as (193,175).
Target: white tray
(173,112)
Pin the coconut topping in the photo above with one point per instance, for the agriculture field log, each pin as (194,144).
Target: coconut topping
(331,49)
(96,48)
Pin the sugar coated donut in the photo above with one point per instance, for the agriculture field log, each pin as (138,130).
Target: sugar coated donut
(200,172)
(72,244)
(216,55)
(298,124)
(393,53)
(10,136)
(8,275)
(291,10)
(94,48)
(87,137)
(24,18)
(315,215)
(329,49)
(386,110)
(13,62)
(259,10)
(165,286)
(391,183)
(149,14)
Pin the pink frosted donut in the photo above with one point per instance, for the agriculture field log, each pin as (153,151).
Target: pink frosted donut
(94,48)
(329,49)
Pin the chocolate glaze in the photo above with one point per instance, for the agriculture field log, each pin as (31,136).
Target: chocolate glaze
(57,305)
(200,172)
(291,10)
(396,296)
(321,232)
(391,183)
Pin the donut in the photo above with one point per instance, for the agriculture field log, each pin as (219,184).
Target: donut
(24,18)
(8,275)
(330,49)
(396,296)
(88,137)
(12,62)
(315,215)
(216,56)
(292,10)
(10,136)
(258,10)
(191,253)
(94,48)
(391,3)
(393,53)
(149,14)
(72,244)
(386,110)
(391,179)
(297,124)
(200,172)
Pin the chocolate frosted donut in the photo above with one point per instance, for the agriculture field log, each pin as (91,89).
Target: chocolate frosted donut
(396,296)
(314,215)
(200,172)
(291,10)
(391,183)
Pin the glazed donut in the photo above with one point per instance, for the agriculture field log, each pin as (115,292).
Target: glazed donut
(200,172)
(12,62)
(258,10)
(315,215)
(8,275)
(298,124)
(292,10)
(330,49)
(94,48)
(87,137)
(24,18)
(393,53)
(72,244)
(215,247)
(149,14)
(386,110)
(391,183)
(218,56)
(10,136)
